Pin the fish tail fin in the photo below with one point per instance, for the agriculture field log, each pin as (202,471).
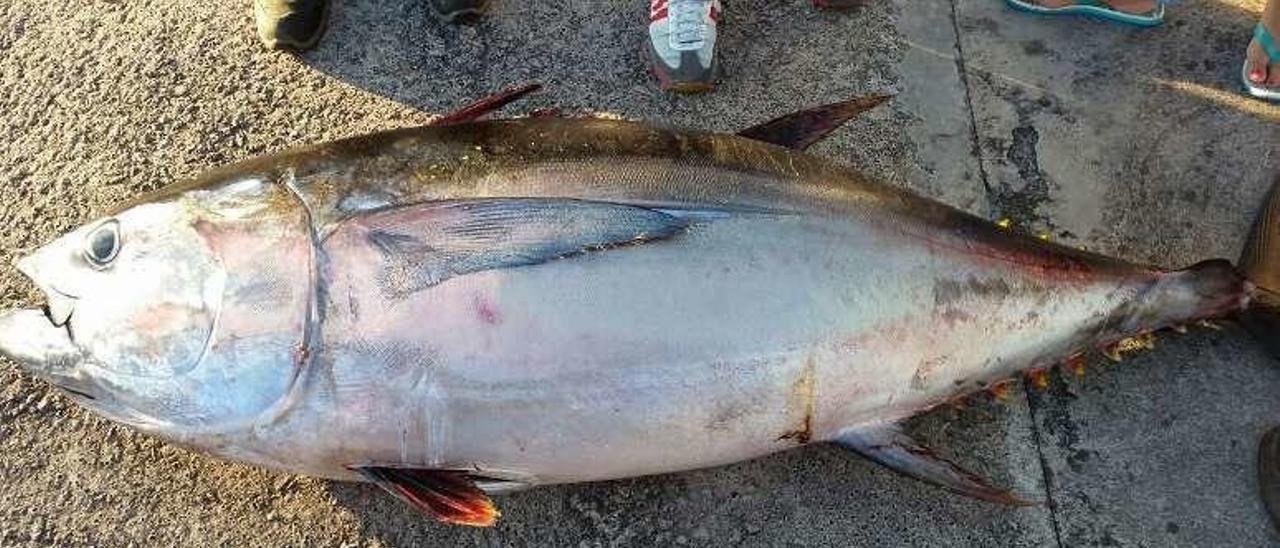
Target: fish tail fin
(1260,263)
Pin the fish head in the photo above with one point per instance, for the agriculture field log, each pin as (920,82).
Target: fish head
(176,313)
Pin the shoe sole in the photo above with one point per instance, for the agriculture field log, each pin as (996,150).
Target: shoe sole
(666,82)
(689,87)
(1155,18)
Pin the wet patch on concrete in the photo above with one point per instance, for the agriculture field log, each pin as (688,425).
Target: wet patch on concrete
(1019,188)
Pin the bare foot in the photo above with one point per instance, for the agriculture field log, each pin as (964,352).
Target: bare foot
(1260,72)
(1136,7)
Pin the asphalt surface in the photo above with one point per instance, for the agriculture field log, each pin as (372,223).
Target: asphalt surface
(1129,142)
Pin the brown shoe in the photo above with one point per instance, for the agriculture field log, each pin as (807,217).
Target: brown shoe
(290,24)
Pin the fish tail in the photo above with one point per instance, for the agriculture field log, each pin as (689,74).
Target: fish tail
(1205,290)
(1260,263)
(1262,319)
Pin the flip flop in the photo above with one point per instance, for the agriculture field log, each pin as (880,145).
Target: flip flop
(1095,8)
(1273,56)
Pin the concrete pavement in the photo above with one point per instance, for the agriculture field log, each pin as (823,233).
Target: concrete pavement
(1129,142)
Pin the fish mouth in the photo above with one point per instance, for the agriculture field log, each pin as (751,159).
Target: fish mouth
(30,338)
(59,305)
(40,339)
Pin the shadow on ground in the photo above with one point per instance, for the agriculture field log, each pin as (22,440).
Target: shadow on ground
(590,55)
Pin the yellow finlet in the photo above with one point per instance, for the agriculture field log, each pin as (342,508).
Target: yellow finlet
(1112,353)
(1001,389)
(1039,378)
(1141,341)
(1076,364)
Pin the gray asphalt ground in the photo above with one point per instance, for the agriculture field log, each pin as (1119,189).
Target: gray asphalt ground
(1129,142)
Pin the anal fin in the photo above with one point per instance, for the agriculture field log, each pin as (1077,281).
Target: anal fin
(450,496)
(895,450)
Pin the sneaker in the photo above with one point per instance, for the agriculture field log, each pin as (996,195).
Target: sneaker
(290,24)
(451,10)
(682,43)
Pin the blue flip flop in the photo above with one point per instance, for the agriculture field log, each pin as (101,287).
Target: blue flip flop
(1095,8)
(1273,56)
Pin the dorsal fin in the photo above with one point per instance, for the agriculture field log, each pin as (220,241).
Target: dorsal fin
(800,129)
(485,105)
(890,447)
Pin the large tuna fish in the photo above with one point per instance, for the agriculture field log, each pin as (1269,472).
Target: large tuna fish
(473,307)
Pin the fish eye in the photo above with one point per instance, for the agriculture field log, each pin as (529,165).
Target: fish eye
(103,244)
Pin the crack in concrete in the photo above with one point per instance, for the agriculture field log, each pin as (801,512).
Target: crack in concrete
(1033,405)
(968,100)
(1045,471)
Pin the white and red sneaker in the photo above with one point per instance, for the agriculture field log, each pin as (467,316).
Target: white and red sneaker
(682,43)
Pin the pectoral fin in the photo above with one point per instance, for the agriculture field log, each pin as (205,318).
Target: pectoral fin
(449,496)
(484,106)
(800,129)
(425,244)
(890,447)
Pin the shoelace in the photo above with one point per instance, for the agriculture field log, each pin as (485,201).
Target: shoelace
(688,21)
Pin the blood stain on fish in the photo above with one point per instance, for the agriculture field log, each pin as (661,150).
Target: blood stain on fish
(485,310)
(801,401)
